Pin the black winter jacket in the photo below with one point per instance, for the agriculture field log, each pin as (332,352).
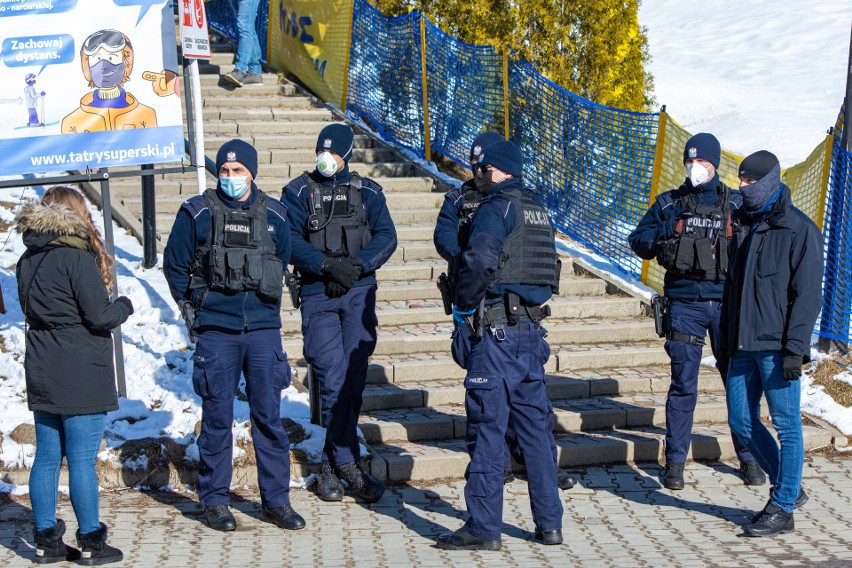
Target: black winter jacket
(69,358)
(773,292)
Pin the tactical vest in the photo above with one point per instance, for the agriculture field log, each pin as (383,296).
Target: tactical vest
(472,199)
(337,221)
(240,253)
(528,255)
(698,250)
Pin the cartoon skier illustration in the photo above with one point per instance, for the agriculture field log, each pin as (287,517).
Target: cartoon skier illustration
(106,57)
(33,97)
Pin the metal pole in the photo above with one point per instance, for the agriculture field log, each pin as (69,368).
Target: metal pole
(149,220)
(190,123)
(110,246)
(199,129)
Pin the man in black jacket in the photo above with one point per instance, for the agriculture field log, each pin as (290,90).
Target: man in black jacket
(687,230)
(772,299)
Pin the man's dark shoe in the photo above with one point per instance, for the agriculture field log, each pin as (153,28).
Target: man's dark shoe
(773,521)
(751,473)
(673,476)
(362,483)
(801,499)
(328,485)
(549,537)
(51,548)
(508,475)
(565,480)
(463,540)
(284,517)
(219,518)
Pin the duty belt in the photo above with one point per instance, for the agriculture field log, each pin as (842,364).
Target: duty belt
(496,316)
(685,338)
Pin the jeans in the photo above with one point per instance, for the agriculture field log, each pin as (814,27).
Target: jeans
(77,437)
(751,374)
(248,48)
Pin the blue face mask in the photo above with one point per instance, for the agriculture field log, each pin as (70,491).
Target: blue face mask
(234,186)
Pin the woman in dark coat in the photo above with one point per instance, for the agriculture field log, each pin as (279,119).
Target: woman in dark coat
(63,279)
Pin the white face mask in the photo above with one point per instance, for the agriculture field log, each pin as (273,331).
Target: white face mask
(326,164)
(697,173)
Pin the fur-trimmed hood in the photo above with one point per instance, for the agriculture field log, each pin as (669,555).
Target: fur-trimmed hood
(41,224)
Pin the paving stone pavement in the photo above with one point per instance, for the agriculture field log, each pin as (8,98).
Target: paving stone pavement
(617,516)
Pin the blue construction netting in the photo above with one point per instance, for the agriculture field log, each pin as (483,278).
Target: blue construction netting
(837,285)
(222,17)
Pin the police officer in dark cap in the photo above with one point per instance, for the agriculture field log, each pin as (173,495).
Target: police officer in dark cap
(225,263)
(688,230)
(342,233)
(451,237)
(510,268)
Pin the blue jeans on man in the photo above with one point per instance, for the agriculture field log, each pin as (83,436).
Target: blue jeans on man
(752,374)
(248,48)
(76,437)
(695,318)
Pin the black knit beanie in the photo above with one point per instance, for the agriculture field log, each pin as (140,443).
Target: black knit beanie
(756,166)
(237,150)
(337,138)
(704,146)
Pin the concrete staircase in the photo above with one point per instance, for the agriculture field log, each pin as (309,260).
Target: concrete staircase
(608,372)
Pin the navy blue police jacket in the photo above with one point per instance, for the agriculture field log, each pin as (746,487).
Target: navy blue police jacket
(307,258)
(773,293)
(493,222)
(239,311)
(657,225)
(447,227)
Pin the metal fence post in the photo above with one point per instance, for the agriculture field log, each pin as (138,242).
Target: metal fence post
(427,134)
(149,220)
(110,246)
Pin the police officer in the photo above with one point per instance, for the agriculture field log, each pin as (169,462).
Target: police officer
(510,266)
(688,231)
(342,233)
(225,263)
(451,232)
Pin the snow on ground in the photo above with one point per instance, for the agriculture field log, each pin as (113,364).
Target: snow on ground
(759,75)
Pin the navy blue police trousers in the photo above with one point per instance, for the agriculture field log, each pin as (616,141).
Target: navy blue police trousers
(505,381)
(340,336)
(220,357)
(692,318)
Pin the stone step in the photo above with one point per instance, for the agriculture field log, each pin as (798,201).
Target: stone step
(415,312)
(405,369)
(271,142)
(222,58)
(573,415)
(224,89)
(582,385)
(431,338)
(429,461)
(212,80)
(247,128)
(237,101)
(269,114)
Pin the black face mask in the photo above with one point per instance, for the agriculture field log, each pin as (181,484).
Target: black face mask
(482,180)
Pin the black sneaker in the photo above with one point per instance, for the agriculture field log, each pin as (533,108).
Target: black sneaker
(328,485)
(751,473)
(219,518)
(673,476)
(774,520)
(463,540)
(801,499)
(236,77)
(284,517)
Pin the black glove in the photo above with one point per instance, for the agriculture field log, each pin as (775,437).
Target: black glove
(792,366)
(341,270)
(359,266)
(126,301)
(334,289)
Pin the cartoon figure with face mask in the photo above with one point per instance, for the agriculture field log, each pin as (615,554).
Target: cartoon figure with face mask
(107,60)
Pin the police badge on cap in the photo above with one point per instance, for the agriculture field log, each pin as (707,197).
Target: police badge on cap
(232,156)
(477,150)
(693,152)
(326,143)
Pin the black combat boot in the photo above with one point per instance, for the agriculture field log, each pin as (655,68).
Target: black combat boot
(362,483)
(751,473)
(94,550)
(50,547)
(463,540)
(328,485)
(774,520)
(508,475)
(673,476)
(284,517)
(220,518)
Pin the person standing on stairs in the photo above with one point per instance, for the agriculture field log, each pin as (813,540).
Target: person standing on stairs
(688,231)
(225,263)
(773,296)
(342,233)
(510,267)
(247,69)
(451,232)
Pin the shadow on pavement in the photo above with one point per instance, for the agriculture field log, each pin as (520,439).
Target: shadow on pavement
(17,523)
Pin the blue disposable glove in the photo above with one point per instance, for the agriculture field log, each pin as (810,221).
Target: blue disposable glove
(458,314)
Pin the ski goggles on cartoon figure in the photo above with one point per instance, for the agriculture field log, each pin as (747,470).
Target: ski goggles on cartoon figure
(110,40)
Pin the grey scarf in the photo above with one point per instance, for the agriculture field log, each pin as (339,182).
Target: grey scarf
(756,195)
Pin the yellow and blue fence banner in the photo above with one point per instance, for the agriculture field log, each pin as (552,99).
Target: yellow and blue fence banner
(598,168)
